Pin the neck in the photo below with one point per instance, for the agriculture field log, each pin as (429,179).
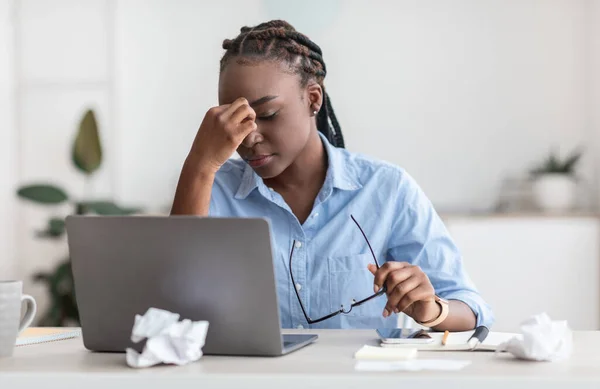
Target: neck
(309,169)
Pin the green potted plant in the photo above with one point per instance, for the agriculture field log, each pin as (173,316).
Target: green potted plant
(86,156)
(555,182)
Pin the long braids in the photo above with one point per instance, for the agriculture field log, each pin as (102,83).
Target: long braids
(278,40)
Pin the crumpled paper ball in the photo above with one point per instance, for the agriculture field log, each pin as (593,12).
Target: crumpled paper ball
(541,339)
(169,340)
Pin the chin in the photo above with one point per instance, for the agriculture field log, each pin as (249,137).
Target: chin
(269,171)
(266,173)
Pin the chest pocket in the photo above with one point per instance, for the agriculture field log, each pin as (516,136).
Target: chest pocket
(350,279)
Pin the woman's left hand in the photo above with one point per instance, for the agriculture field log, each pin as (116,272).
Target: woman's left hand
(408,289)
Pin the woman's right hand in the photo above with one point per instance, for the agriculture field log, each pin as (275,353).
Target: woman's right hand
(222,131)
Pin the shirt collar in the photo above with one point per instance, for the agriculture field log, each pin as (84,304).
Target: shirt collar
(341,173)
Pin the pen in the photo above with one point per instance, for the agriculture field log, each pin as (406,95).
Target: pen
(445,338)
(478,336)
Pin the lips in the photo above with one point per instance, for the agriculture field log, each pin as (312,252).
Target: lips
(259,160)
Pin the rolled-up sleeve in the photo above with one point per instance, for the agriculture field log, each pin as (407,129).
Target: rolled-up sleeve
(217,200)
(222,193)
(419,237)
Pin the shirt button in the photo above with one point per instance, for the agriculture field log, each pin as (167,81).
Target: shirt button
(298,286)
(271,189)
(298,245)
(300,326)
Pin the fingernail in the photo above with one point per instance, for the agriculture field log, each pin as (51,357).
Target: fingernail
(386,313)
(376,288)
(396,310)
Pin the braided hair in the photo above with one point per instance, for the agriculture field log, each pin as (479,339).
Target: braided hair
(278,40)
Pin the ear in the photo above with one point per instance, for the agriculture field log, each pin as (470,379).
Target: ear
(315,97)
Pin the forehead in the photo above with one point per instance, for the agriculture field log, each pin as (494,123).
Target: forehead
(256,80)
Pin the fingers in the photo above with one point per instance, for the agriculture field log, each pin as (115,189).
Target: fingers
(419,293)
(229,111)
(372,268)
(382,274)
(242,113)
(238,118)
(247,127)
(215,112)
(405,284)
(400,284)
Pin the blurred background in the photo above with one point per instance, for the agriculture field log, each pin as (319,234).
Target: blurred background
(493,106)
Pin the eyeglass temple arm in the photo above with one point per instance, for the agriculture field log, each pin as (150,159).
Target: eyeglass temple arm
(308,319)
(294,285)
(367,240)
(384,288)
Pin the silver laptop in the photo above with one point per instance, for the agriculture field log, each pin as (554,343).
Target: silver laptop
(215,269)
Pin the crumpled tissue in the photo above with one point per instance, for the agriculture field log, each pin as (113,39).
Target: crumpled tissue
(541,339)
(169,340)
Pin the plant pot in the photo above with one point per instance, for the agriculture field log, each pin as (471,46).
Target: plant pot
(555,192)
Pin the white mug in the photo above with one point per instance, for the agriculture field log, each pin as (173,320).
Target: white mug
(11,324)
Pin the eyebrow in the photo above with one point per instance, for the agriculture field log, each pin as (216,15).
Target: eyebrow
(262,100)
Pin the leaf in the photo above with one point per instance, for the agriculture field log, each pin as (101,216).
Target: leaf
(130,211)
(70,311)
(554,165)
(87,149)
(43,194)
(52,316)
(62,279)
(62,309)
(101,207)
(105,208)
(570,163)
(55,229)
(42,277)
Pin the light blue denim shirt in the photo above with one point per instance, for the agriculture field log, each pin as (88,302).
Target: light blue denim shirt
(330,260)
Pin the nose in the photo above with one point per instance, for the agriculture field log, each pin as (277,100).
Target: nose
(251,139)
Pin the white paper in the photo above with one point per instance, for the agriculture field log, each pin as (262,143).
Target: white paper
(413,365)
(368,352)
(169,340)
(541,339)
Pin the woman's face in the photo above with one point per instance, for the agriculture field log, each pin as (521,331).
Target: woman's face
(283,112)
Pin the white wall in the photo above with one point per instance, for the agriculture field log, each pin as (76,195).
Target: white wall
(462,92)
(167,63)
(524,266)
(7,143)
(63,68)
(594,84)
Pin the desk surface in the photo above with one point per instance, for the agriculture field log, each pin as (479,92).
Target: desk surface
(327,363)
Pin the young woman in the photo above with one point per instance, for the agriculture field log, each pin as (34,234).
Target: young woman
(356,240)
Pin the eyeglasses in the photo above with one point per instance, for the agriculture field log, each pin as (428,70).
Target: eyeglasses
(342,309)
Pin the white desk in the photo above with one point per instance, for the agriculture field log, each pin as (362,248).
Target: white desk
(328,363)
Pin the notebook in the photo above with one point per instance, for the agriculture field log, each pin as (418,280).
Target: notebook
(34,335)
(458,341)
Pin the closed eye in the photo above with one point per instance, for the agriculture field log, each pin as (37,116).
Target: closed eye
(268,117)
